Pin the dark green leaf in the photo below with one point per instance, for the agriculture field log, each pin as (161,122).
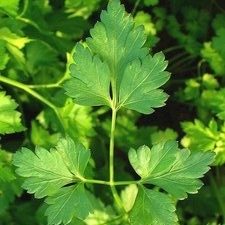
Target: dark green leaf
(10,121)
(67,203)
(153,207)
(90,79)
(165,165)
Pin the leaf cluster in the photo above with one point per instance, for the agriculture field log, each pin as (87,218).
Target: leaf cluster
(113,68)
(95,160)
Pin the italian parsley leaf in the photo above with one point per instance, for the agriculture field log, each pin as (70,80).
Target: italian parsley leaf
(66,203)
(10,121)
(200,137)
(174,170)
(203,137)
(218,42)
(138,88)
(9,185)
(153,207)
(214,101)
(213,56)
(128,196)
(122,41)
(6,172)
(82,8)
(48,172)
(116,57)
(91,79)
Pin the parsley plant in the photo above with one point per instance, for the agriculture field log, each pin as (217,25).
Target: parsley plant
(112,68)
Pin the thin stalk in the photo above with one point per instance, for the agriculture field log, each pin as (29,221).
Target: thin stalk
(33,24)
(135,7)
(111,159)
(186,69)
(92,181)
(113,220)
(199,66)
(111,146)
(218,6)
(115,183)
(178,56)
(54,85)
(173,48)
(120,183)
(25,7)
(218,195)
(37,86)
(33,93)
(117,199)
(180,62)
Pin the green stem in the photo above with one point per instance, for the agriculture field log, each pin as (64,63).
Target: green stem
(199,66)
(111,161)
(135,6)
(32,23)
(33,93)
(119,183)
(111,146)
(92,181)
(37,86)
(180,62)
(176,47)
(218,6)
(115,183)
(117,199)
(218,195)
(112,221)
(25,7)
(54,85)
(177,57)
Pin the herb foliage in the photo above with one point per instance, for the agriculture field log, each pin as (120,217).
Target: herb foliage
(95,161)
(115,60)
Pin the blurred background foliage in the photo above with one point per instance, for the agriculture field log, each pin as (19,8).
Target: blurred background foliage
(36,39)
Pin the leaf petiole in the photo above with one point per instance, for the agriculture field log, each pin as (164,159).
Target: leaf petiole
(33,93)
(115,183)
(111,147)
(53,85)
